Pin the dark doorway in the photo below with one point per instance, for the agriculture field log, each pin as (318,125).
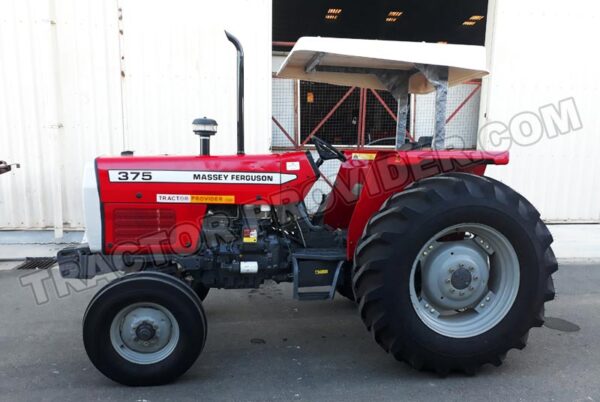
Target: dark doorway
(452,21)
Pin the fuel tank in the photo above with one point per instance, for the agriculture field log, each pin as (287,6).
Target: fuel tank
(149,202)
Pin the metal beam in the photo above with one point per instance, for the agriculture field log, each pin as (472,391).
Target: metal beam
(438,77)
(397,84)
(314,62)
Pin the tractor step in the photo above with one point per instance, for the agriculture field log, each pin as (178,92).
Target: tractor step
(317,270)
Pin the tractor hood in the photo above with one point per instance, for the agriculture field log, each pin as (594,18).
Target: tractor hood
(128,198)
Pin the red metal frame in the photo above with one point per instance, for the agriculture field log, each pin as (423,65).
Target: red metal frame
(362,117)
(283,44)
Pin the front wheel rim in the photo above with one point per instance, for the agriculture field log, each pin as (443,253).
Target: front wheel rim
(464,280)
(144,333)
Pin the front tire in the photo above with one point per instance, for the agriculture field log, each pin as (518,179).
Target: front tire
(145,328)
(453,272)
(200,289)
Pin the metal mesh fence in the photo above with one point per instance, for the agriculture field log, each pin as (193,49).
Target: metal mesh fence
(329,111)
(380,119)
(351,118)
(461,130)
(284,113)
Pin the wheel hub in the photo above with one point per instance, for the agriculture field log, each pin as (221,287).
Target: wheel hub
(145,330)
(455,275)
(461,278)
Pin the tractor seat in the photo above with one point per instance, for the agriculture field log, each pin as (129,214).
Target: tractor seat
(422,142)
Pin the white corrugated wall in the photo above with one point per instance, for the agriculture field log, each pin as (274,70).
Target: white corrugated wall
(81,78)
(63,99)
(542,52)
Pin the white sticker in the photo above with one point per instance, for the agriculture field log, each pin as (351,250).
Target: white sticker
(248,267)
(175,198)
(187,176)
(292,165)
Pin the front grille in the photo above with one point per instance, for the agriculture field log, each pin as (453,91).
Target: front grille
(131,225)
(37,263)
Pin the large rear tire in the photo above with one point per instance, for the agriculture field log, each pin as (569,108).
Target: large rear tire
(344,286)
(145,328)
(453,272)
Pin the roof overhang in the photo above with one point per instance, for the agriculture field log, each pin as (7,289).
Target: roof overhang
(351,62)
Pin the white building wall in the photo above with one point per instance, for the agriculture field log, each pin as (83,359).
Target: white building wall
(73,87)
(64,100)
(179,65)
(542,52)
(59,105)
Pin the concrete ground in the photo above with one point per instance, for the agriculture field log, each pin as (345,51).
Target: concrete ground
(262,345)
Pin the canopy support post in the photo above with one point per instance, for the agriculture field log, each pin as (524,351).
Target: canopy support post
(397,84)
(438,77)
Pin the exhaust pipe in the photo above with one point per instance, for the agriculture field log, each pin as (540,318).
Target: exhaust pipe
(240,92)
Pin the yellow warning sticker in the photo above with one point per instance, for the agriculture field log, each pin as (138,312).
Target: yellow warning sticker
(212,199)
(250,235)
(359,156)
(321,271)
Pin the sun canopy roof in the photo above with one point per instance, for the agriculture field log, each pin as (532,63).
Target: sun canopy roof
(354,62)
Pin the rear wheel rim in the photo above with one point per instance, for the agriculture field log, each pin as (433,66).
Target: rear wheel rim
(144,333)
(464,280)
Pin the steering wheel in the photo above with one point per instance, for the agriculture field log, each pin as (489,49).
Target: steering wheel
(327,151)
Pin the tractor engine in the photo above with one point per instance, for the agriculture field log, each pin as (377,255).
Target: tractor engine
(241,247)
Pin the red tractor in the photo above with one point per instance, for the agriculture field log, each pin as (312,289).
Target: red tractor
(449,269)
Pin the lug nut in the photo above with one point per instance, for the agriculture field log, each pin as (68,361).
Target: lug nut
(487,299)
(448,280)
(475,278)
(471,288)
(432,311)
(426,305)
(424,252)
(482,305)
(451,269)
(452,290)
(461,293)
(431,247)
(471,269)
